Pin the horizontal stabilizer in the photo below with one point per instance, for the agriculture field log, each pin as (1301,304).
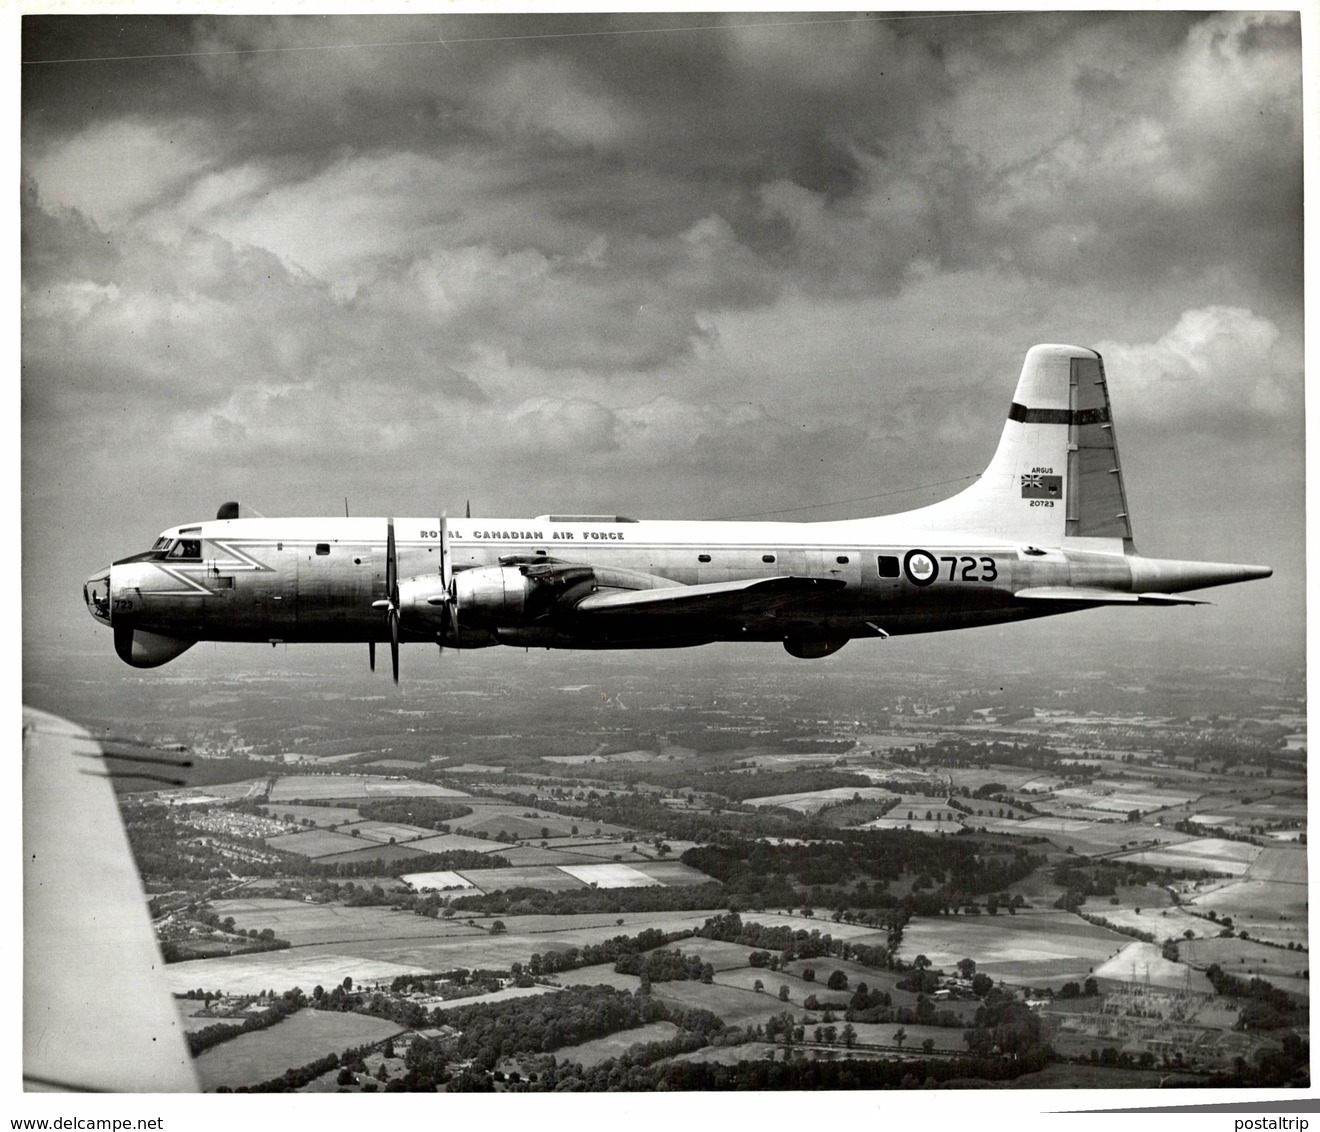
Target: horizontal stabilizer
(1094,596)
(754,595)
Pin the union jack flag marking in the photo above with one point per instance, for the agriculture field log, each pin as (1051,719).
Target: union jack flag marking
(1038,486)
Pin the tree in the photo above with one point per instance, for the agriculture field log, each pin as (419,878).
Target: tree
(498,928)
(758,986)
(808,974)
(849,1035)
(928,1046)
(838,980)
(783,992)
(900,1036)
(967,968)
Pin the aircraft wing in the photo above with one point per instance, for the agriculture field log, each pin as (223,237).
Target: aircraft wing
(97,1014)
(1101,597)
(750,598)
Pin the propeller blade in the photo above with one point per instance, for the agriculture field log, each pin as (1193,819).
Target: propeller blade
(391,566)
(371,654)
(394,644)
(449,622)
(392,595)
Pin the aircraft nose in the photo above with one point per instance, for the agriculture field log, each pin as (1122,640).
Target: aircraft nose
(96,593)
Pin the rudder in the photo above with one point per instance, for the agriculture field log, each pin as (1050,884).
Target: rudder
(1055,473)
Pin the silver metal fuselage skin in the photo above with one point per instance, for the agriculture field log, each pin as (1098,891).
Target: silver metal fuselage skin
(1045,529)
(302,579)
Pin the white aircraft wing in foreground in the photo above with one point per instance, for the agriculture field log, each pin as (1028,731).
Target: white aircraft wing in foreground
(97,1014)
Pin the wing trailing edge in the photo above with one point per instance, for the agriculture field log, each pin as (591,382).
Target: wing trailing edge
(750,596)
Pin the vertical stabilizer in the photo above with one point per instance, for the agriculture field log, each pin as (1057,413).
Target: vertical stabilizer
(1055,473)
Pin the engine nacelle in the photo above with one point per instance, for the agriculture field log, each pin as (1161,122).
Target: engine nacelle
(147,650)
(813,649)
(493,595)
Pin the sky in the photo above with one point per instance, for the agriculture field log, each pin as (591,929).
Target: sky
(664,265)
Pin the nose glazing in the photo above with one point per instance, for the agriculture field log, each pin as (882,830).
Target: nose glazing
(96,593)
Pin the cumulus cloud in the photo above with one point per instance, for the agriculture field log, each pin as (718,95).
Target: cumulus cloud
(1218,364)
(697,272)
(113,170)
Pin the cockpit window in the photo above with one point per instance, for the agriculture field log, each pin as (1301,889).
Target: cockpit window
(162,543)
(187,548)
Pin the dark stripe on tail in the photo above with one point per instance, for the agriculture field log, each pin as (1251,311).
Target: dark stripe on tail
(1080,417)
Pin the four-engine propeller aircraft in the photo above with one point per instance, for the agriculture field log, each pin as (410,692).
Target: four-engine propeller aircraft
(1044,530)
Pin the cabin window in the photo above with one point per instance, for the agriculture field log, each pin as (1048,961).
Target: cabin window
(187,548)
(322,548)
(888,565)
(767,558)
(842,560)
(703,557)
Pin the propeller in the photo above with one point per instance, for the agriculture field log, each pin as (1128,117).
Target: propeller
(390,603)
(448,598)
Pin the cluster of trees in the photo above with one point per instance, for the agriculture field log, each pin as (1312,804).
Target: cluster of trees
(795,943)
(535,901)
(1085,878)
(290,1002)
(797,1075)
(1264,1006)
(665,966)
(1007,1025)
(494,1030)
(429,813)
(619,949)
(853,867)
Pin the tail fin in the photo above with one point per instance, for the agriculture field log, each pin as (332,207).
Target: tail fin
(1055,473)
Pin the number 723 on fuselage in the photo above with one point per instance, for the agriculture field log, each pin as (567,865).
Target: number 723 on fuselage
(1044,530)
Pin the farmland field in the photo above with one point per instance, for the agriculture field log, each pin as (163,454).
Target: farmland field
(436,881)
(608,876)
(600,974)
(383,831)
(1035,948)
(1162,922)
(523,855)
(1271,911)
(1083,837)
(916,824)
(302,924)
(1142,962)
(590,1053)
(281,970)
(290,787)
(320,815)
(1280,865)
(547,878)
(737,1007)
(671,872)
(449,842)
(392,854)
(304,1037)
(493,820)
(1121,797)
(815,800)
(313,843)
(1207,854)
